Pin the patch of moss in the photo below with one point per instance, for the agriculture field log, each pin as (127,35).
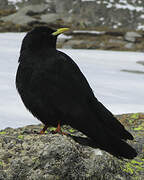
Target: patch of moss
(130,121)
(52,128)
(34,159)
(71,130)
(2,132)
(128,168)
(133,167)
(133,121)
(135,116)
(139,128)
(140,125)
(21,137)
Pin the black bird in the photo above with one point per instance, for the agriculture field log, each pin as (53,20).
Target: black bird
(55,91)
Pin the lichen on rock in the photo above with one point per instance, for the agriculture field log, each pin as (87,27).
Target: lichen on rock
(27,155)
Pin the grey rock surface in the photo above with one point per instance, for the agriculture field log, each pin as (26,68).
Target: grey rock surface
(73,44)
(140,62)
(63,6)
(111,14)
(27,155)
(25,15)
(50,18)
(114,14)
(18,19)
(129,45)
(4,5)
(132,36)
(23,3)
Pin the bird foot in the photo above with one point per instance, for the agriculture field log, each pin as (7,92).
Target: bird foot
(58,130)
(44,129)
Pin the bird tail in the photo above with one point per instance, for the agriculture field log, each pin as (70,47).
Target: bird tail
(103,136)
(109,121)
(118,148)
(106,140)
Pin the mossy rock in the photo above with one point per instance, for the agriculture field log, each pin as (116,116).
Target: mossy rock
(27,155)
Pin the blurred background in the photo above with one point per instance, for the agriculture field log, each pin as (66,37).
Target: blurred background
(106,40)
(95,24)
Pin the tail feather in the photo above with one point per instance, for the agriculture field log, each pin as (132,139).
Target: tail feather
(104,137)
(110,143)
(118,148)
(106,117)
(122,149)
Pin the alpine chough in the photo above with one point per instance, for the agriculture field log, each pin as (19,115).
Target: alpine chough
(55,91)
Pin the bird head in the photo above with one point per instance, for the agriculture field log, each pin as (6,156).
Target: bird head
(41,37)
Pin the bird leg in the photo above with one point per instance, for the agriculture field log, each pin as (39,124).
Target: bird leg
(44,129)
(58,130)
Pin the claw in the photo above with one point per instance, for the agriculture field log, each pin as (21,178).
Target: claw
(44,129)
(58,130)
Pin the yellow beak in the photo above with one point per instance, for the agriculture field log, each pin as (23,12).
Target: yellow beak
(59,31)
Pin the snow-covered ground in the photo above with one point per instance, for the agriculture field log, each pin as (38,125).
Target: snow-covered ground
(121,92)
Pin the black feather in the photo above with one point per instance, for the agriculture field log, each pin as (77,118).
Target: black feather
(53,89)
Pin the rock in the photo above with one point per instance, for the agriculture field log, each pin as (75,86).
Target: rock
(73,44)
(117,41)
(17,18)
(23,3)
(63,6)
(110,14)
(31,2)
(132,71)
(80,44)
(90,14)
(26,14)
(132,36)
(129,45)
(4,5)
(140,62)
(11,27)
(38,9)
(50,18)
(32,15)
(24,154)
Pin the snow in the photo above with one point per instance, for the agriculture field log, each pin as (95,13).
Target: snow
(130,7)
(90,31)
(142,16)
(14,1)
(140,27)
(62,36)
(119,91)
(87,0)
(123,4)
